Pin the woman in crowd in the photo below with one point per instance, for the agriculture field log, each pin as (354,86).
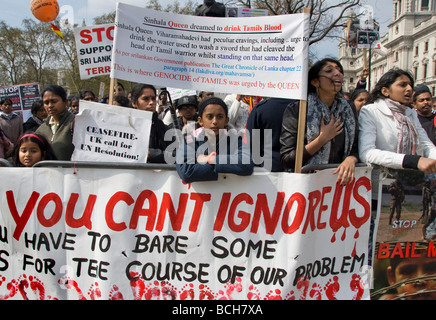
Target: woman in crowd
(390,134)
(331,124)
(37,118)
(10,122)
(144,98)
(359,98)
(211,149)
(58,127)
(6,146)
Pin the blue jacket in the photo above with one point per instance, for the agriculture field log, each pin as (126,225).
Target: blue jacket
(232,156)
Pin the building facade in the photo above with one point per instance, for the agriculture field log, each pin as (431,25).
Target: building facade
(410,44)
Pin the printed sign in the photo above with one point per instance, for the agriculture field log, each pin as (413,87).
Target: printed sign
(22,96)
(144,234)
(404,241)
(266,56)
(94,49)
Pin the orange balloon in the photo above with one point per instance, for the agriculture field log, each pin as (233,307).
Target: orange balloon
(45,10)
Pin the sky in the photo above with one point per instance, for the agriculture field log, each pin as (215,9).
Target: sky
(78,10)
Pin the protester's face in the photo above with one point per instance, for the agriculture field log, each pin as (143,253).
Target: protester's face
(53,104)
(119,91)
(361,100)
(6,107)
(411,269)
(146,101)
(75,105)
(401,90)
(213,118)
(424,104)
(206,95)
(330,79)
(29,153)
(41,114)
(89,97)
(187,112)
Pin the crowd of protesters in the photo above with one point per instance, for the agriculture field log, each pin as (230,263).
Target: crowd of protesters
(391,126)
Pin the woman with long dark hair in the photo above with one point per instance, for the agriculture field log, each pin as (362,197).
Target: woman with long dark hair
(331,124)
(390,134)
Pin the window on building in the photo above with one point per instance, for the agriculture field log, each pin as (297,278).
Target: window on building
(416,50)
(426,46)
(351,80)
(424,5)
(415,73)
(425,71)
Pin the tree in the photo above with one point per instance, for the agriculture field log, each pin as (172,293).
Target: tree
(327,17)
(37,43)
(12,61)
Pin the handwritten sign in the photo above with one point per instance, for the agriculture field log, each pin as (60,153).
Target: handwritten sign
(110,133)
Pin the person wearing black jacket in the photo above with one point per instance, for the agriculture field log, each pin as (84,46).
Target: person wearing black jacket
(331,124)
(267,115)
(144,98)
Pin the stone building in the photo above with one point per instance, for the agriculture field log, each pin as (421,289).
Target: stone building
(410,44)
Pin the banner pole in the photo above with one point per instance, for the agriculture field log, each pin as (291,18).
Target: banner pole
(301,128)
(365,58)
(300,137)
(112,86)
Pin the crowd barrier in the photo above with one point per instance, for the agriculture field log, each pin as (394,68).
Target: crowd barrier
(68,228)
(76,227)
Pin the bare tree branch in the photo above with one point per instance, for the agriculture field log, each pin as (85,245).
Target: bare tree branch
(326,16)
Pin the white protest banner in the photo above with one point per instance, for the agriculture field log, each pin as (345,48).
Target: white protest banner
(176,93)
(263,56)
(94,49)
(144,234)
(109,133)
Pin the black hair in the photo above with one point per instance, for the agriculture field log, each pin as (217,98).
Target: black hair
(57,90)
(213,100)
(2,101)
(83,92)
(316,68)
(356,93)
(42,143)
(386,81)
(420,89)
(137,90)
(36,106)
(122,101)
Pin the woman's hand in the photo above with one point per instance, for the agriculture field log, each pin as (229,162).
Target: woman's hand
(427,165)
(326,133)
(203,159)
(346,170)
(330,130)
